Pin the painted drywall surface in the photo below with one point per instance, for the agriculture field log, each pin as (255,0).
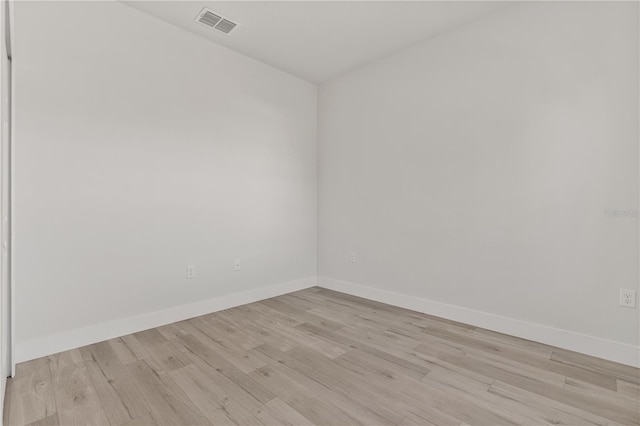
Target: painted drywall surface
(140,149)
(476,169)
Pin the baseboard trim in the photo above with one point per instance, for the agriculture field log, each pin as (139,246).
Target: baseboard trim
(589,345)
(595,346)
(43,346)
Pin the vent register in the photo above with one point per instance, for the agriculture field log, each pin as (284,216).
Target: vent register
(214,20)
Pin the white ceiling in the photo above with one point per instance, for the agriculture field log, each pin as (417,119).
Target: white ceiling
(318,40)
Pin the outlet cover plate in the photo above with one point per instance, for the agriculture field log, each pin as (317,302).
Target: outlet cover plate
(627,298)
(191,271)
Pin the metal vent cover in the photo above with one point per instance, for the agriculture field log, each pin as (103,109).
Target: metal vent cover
(225,26)
(214,20)
(209,18)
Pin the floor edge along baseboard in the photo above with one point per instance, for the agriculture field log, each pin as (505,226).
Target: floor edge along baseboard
(611,350)
(565,339)
(59,342)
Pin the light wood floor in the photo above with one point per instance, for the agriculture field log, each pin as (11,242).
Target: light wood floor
(325,358)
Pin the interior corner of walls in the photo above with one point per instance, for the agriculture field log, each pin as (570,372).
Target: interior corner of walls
(620,352)
(60,342)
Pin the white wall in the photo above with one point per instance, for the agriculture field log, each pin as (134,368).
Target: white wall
(474,169)
(140,149)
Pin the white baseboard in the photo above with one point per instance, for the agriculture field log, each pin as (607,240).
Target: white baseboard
(589,345)
(39,347)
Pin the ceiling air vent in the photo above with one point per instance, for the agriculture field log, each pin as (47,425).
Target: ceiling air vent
(225,26)
(214,20)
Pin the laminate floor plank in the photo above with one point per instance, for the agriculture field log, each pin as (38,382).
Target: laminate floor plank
(219,407)
(441,351)
(363,413)
(241,336)
(319,407)
(30,395)
(298,337)
(451,403)
(629,390)
(342,379)
(297,316)
(615,398)
(62,359)
(147,420)
(122,401)
(587,403)
(319,357)
(163,354)
(381,366)
(335,389)
(51,420)
(228,386)
(171,331)
(380,338)
(282,414)
(167,403)
(134,348)
(539,360)
(102,363)
(610,369)
(227,369)
(233,353)
(124,354)
(77,400)
(547,405)
(335,335)
(528,412)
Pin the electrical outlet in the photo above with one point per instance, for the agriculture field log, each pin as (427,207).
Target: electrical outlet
(352,257)
(191,271)
(627,298)
(236,265)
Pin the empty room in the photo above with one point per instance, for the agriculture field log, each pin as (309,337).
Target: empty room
(319,213)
